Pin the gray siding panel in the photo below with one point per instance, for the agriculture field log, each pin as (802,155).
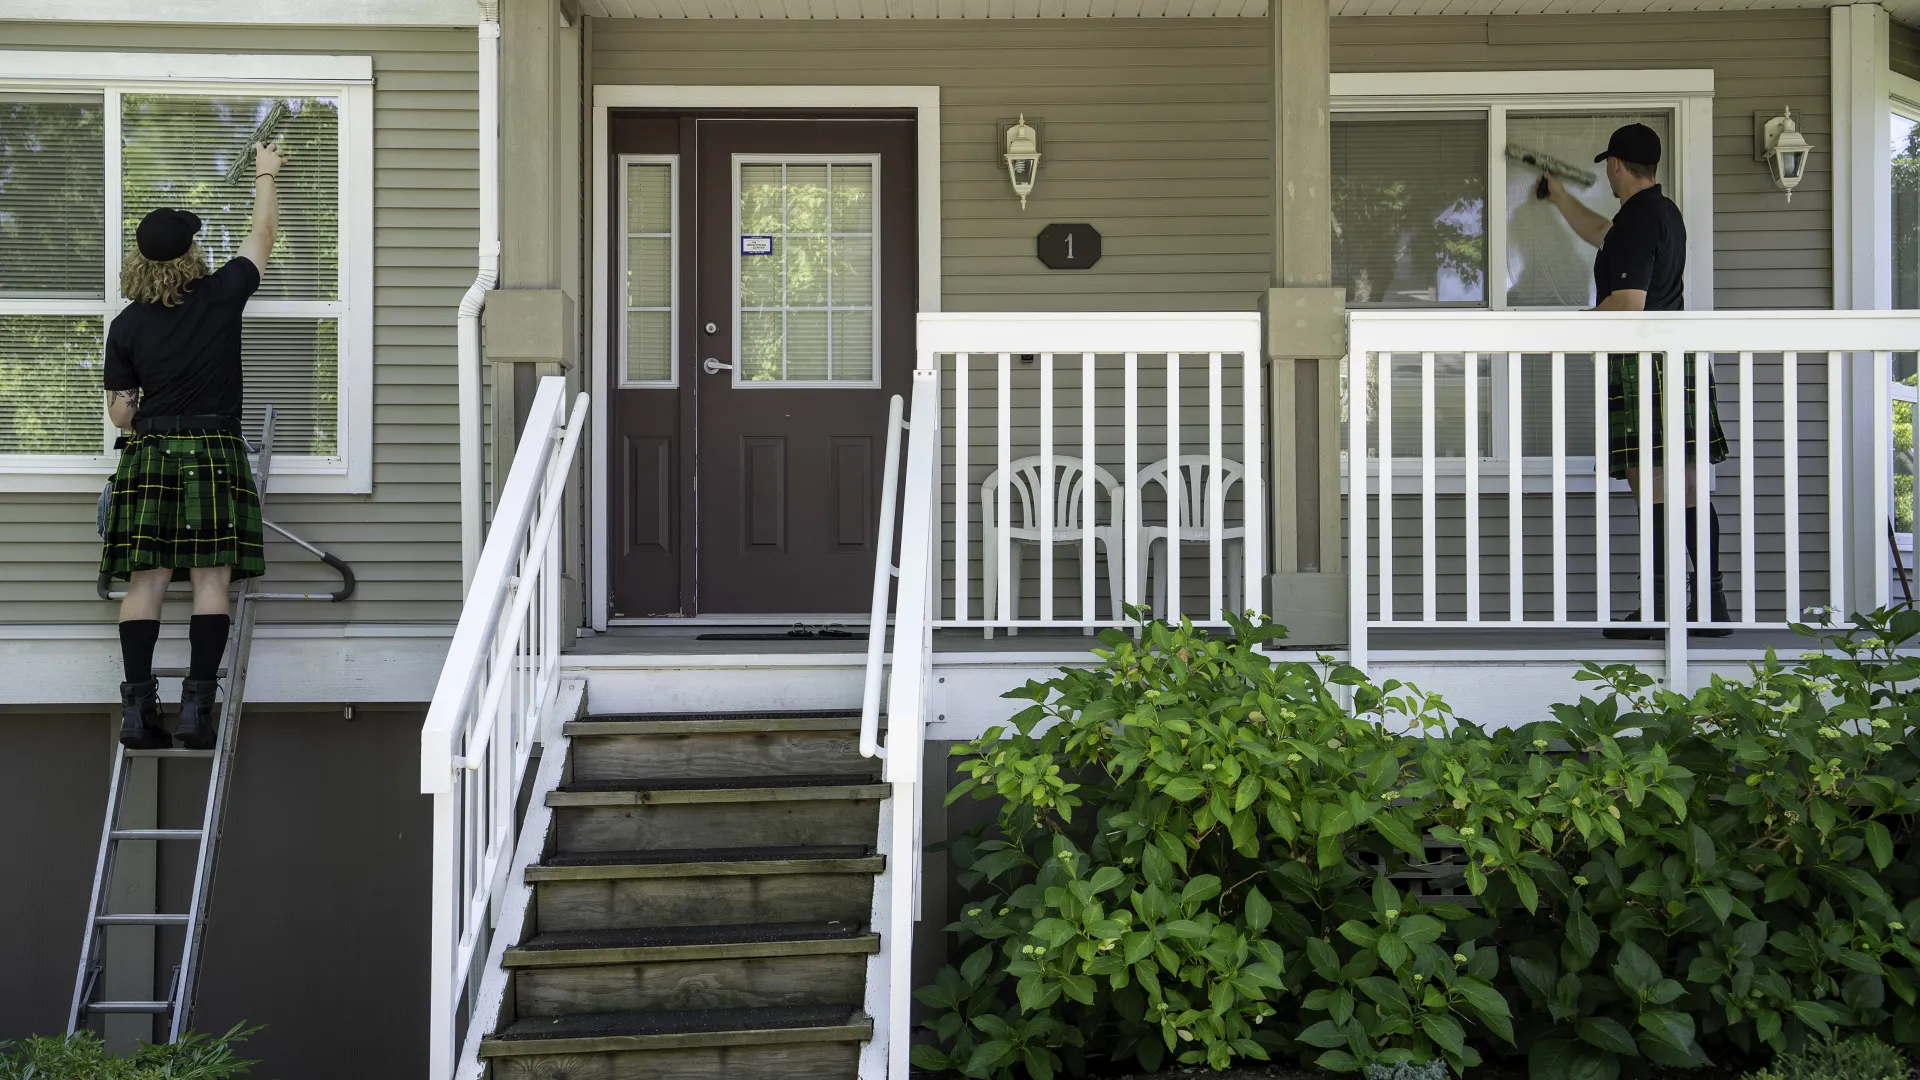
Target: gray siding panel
(403,540)
(1903,50)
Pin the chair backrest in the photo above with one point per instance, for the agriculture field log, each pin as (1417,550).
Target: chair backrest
(1069,483)
(1194,480)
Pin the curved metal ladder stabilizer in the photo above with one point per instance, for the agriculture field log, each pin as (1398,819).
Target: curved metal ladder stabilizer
(177,1007)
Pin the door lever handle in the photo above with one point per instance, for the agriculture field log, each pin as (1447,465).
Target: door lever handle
(715,367)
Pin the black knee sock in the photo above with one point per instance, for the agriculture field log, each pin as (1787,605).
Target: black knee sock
(137,638)
(207,635)
(1711,566)
(1659,556)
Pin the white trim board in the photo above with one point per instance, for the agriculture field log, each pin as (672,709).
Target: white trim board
(254,12)
(924,100)
(131,67)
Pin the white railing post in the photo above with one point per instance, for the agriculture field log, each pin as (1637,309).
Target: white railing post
(488,712)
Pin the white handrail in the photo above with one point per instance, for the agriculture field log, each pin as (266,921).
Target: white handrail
(883,572)
(499,682)
(1845,355)
(896,901)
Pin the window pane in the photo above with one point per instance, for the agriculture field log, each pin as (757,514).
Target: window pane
(1449,406)
(1409,208)
(1905,150)
(293,366)
(807,271)
(649,270)
(50,384)
(52,191)
(177,150)
(1548,265)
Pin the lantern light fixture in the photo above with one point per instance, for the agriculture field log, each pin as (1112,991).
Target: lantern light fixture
(1787,152)
(1022,158)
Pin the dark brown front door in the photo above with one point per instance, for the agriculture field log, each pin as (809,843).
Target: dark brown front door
(747,442)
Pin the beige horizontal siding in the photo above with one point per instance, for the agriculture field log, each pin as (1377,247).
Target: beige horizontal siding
(403,540)
(1768,252)
(1157,132)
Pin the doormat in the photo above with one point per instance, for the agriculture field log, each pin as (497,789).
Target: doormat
(798,633)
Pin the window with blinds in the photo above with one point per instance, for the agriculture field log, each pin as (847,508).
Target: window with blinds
(1409,208)
(651,198)
(59,280)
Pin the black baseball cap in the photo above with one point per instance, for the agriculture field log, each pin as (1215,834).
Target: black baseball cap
(165,234)
(1635,143)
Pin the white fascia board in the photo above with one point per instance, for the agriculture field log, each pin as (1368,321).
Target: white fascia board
(166,67)
(254,12)
(1660,82)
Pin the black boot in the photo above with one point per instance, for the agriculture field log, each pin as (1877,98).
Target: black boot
(1641,633)
(140,726)
(198,727)
(1716,609)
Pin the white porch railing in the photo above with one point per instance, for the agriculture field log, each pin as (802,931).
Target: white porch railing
(1125,439)
(896,896)
(1805,399)
(500,681)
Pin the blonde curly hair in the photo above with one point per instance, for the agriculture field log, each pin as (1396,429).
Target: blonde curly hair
(165,283)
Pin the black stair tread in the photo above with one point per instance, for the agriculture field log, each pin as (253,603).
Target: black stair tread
(722,783)
(691,1021)
(666,856)
(769,714)
(664,936)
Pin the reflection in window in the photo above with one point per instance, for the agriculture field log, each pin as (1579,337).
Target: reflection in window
(807,285)
(52,194)
(1548,265)
(1409,208)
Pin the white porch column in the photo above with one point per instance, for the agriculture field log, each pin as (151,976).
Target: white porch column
(1863,276)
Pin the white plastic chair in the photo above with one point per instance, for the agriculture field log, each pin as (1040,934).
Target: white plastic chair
(1194,527)
(1023,489)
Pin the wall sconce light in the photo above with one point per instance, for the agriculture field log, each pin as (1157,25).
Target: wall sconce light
(1022,158)
(1783,148)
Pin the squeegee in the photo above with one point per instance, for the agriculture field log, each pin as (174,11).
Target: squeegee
(277,115)
(1550,166)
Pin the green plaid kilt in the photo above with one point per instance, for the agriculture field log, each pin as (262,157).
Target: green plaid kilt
(184,499)
(1623,414)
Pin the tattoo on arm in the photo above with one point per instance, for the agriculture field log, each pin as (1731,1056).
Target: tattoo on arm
(126,397)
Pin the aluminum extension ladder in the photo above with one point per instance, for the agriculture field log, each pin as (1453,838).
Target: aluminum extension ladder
(177,1006)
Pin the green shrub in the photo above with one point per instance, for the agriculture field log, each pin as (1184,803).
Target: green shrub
(82,1056)
(1861,1057)
(1201,855)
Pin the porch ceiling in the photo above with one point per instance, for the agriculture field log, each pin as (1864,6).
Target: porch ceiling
(1906,11)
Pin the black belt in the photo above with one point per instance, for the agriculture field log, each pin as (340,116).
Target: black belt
(147,425)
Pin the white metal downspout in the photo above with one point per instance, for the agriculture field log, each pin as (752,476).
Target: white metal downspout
(472,453)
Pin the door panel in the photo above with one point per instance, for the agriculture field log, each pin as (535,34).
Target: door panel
(796,221)
(783,249)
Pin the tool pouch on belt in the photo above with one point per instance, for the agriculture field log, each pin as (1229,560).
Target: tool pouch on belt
(206,497)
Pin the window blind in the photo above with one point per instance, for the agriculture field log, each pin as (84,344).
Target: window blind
(175,152)
(292,365)
(1409,208)
(50,384)
(52,191)
(649,255)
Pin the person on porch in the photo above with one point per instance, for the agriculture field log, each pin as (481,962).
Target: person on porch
(183,504)
(1640,266)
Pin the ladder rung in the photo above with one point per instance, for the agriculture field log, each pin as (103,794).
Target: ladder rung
(140,920)
(130,1006)
(155,834)
(171,753)
(181,673)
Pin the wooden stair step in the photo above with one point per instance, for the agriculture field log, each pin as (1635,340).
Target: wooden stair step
(745,723)
(707,862)
(665,791)
(571,948)
(680,1030)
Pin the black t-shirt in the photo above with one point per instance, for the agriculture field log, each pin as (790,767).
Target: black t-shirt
(1646,249)
(185,359)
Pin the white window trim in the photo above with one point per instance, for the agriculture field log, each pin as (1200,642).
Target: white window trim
(1685,93)
(672,381)
(348,78)
(740,383)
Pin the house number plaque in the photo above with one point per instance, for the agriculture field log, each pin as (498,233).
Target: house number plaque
(1068,247)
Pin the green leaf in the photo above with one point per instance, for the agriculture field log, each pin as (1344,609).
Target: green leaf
(1444,1030)
(975,966)
(1706,969)
(1360,933)
(1259,911)
(1186,929)
(1669,1028)
(987,1057)
(1582,941)
(1326,962)
(1879,844)
(1607,1034)
(1324,1033)
(1137,946)
(1107,877)
(930,1058)
(1200,890)
(1482,998)
(1393,951)
(1338,1061)
(1038,1065)
(1524,886)
(1635,970)
(1184,789)
(1395,832)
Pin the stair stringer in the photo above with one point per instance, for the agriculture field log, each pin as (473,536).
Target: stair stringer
(510,921)
(873,1055)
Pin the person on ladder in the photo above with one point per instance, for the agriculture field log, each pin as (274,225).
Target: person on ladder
(183,505)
